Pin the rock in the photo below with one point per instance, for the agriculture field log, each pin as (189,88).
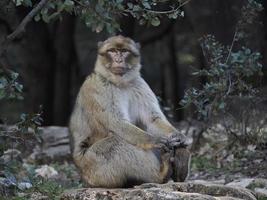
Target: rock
(46,171)
(11,154)
(24,185)
(7,186)
(38,196)
(218,181)
(54,147)
(261,193)
(170,191)
(241,183)
(258,182)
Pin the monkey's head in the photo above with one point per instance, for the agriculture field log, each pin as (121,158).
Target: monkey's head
(118,59)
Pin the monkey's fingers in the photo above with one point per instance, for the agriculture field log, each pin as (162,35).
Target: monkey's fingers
(163,147)
(178,145)
(178,139)
(174,139)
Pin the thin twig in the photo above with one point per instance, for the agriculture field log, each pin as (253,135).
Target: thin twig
(92,8)
(231,47)
(168,11)
(229,86)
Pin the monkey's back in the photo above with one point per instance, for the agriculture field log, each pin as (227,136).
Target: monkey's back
(83,126)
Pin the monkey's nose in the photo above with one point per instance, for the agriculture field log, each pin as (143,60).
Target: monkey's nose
(118,60)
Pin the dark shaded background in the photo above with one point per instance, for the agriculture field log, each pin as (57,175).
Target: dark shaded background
(54,59)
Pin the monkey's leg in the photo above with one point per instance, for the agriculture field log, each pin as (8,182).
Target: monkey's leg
(112,162)
(181,164)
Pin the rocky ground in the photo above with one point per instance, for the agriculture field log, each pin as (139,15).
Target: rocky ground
(218,171)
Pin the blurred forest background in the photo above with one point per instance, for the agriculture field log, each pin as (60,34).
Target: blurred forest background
(54,58)
(206,60)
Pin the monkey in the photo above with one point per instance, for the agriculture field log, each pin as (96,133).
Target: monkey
(119,135)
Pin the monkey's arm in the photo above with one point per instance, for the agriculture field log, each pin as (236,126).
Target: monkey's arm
(117,125)
(158,124)
(154,119)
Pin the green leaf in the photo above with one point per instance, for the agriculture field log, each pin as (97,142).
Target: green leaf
(19,87)
(142,21)
(155,21)
(27,3)
(221,106)
(3,81)
(101,2)
(46,18)
(14,75)
(146,5)
(68,5)
(23,116)
(130,5)
(18,2)
(2,94)
(99,27)
(136,8)
(173,15)
(37,17)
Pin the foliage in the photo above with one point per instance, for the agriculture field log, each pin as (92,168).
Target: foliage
(229,73)
(49,188)
(248,18)
(201,162)
(105,14)
(28,125)
(28,121)
(230,90)
(19,173)
(39,185)
(10,88)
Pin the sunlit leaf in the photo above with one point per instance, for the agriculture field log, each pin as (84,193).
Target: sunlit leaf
(155,21)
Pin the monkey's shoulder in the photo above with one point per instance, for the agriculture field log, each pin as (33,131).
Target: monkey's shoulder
(92,84)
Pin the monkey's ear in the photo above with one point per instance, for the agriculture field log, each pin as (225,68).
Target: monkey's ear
(138,45)
(100,44)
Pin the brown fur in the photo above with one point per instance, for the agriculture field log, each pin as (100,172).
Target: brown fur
(108,146)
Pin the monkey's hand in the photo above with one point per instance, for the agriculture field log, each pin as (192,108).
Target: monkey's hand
(162,143)
(177,140)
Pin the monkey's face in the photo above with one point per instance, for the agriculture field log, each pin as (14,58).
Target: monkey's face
(118,60)
(119,55)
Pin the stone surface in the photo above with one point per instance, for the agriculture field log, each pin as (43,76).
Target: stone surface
(11,154)
(54,147)
(261,192)
(170,191)
(245,182)
(46,171)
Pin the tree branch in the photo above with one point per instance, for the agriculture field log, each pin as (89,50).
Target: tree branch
(168,11)
(21,28)
(27,19)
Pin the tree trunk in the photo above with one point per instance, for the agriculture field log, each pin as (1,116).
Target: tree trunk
(64,55)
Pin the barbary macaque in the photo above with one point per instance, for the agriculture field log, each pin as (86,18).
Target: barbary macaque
(120,137)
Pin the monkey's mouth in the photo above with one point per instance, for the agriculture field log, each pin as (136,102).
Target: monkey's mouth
(120,71)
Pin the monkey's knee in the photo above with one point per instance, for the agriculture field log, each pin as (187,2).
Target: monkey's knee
(97,172)
(181,164)
(165,170)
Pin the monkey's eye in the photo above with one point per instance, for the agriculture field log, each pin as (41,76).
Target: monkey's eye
(124,50)
(111,50)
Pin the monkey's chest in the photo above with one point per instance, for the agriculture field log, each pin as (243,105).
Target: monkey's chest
(131,109)
(127,105)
